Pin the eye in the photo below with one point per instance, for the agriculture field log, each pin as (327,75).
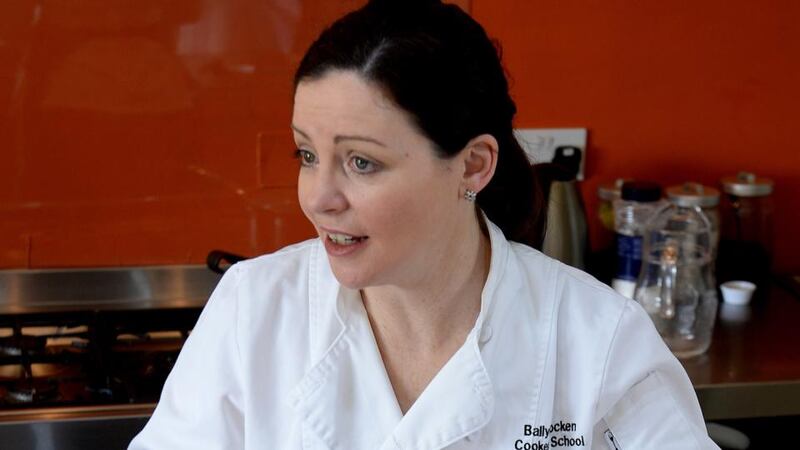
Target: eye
(363,165)
(306,158)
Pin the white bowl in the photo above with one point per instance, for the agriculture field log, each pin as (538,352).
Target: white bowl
(737,292)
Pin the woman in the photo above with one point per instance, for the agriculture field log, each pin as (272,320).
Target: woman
(414,321)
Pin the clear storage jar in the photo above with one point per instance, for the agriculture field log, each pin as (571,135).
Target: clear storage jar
(746,233)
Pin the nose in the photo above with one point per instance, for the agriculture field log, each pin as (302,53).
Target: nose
(320,192)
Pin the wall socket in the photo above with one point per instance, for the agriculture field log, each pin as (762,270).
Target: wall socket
(540,143)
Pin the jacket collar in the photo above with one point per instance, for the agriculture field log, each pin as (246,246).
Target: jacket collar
(346,398)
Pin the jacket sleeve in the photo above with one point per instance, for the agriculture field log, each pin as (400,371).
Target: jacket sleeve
(202,402)
(646,400)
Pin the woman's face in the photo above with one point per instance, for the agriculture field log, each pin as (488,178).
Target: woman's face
(384,204)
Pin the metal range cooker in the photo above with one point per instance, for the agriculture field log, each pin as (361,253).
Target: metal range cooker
(84,353)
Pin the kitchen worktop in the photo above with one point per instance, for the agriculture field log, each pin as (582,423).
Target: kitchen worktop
(752,368)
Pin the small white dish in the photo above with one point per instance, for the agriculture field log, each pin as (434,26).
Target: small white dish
(737,292)
(734,313)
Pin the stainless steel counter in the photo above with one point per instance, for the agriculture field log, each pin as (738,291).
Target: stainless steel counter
(109,433)
(753,366)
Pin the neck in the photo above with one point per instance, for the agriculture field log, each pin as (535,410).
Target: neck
(440,307)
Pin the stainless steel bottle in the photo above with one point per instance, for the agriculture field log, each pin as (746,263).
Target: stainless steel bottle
(566,235)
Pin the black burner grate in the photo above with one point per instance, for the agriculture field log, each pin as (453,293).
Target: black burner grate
(89,358)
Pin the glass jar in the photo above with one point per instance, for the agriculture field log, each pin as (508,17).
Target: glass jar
(746,234)
(707,198)
(602,258)
(607,193)
(676,284)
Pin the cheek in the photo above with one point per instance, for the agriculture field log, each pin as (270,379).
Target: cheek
(302,196)
(385,211)
(406,212)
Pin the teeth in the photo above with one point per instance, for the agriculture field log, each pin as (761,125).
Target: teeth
(343,239)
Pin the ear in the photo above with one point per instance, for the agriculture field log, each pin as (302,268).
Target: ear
(480,161)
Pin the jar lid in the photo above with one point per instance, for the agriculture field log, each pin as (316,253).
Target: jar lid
(746,184)
(611,191)
(693,194)
(641,191)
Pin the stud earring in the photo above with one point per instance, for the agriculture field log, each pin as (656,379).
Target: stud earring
(470,195)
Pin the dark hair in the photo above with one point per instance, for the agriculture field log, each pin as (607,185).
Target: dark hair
(438,64)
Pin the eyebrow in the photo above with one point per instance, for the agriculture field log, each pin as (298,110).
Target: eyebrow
(339,138)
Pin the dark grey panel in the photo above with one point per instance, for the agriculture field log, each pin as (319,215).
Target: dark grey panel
(89,434)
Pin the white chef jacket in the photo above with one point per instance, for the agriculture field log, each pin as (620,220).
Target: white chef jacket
(283,357)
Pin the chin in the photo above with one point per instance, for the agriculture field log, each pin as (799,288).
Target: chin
(351,279)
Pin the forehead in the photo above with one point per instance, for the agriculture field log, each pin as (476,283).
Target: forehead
(343,102)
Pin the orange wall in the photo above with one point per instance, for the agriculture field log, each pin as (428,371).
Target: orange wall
(669,90)
(150,132)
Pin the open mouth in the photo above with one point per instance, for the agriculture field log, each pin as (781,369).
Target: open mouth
(345,239)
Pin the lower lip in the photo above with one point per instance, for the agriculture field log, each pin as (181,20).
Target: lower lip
(334,249)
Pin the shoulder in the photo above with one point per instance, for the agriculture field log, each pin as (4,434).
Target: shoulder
(286,268)
(567,286)
(275,287)
(284,261)
(587,316)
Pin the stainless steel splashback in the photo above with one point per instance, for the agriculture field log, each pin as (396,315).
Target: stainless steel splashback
(53,290)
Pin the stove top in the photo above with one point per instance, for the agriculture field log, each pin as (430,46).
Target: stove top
(94,358)
(111,337)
